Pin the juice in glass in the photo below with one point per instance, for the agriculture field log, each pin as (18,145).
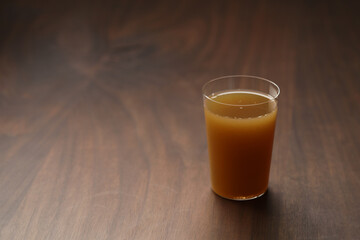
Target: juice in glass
(240,125)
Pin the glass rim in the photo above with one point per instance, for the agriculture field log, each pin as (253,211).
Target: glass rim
(241,76)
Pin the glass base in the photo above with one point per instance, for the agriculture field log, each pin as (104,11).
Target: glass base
(251,197)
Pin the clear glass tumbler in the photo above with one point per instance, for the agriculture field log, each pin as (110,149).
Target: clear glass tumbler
(240,113)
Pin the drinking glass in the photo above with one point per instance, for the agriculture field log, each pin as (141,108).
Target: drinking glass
(240,113)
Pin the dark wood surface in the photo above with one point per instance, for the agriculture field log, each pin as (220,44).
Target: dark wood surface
(102,132)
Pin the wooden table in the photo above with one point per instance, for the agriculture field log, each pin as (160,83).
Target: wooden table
(102,132)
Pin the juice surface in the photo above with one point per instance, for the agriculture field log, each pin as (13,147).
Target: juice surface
(240,128)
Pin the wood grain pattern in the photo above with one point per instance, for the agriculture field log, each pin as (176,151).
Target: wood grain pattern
(102,132)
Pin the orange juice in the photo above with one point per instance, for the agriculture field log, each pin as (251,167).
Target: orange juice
(240,130)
